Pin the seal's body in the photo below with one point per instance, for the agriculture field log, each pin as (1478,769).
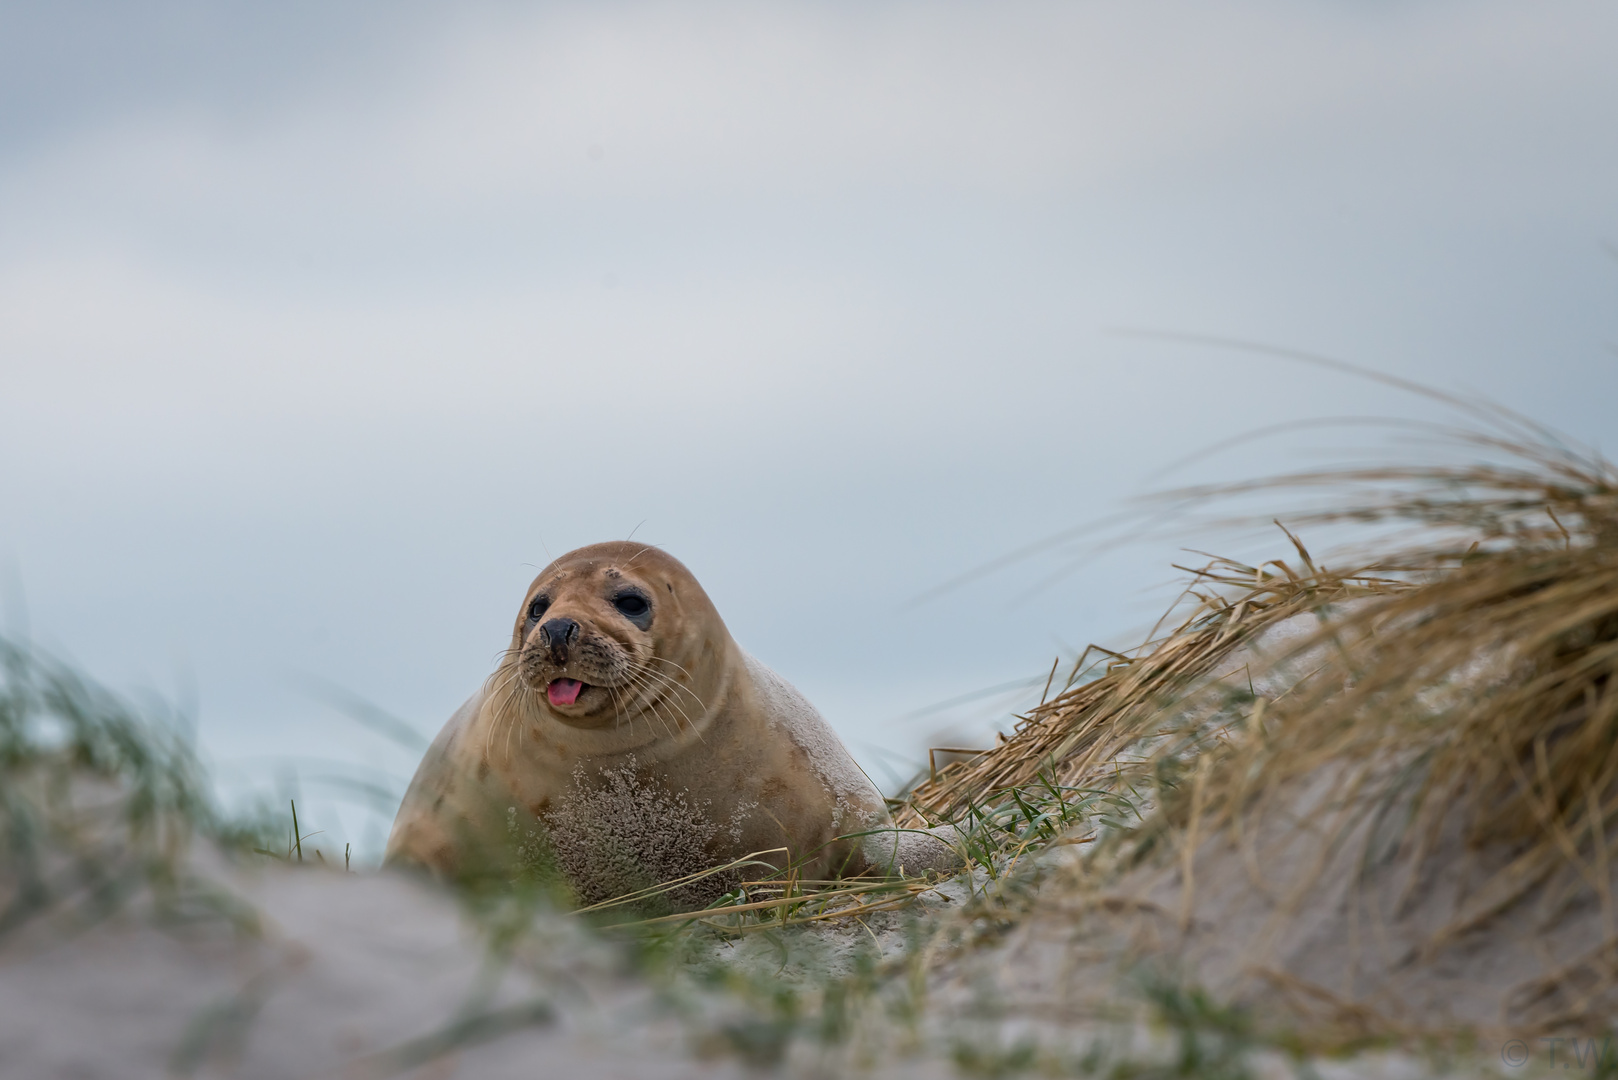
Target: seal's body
(629,736)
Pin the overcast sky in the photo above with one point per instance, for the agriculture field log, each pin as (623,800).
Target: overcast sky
(323,327)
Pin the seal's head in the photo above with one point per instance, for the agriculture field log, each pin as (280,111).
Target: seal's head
(610,630)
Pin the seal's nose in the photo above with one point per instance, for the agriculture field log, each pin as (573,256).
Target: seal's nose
(557,635)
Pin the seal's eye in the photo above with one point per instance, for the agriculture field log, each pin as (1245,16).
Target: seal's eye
(632,605)
(537,608)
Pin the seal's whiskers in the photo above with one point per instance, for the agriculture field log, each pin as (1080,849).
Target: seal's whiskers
(497,693)
(617,709)
(651,699)
(678,687)
(655,688)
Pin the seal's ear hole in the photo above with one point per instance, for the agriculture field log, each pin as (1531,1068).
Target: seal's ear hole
(670,586)
(538,607)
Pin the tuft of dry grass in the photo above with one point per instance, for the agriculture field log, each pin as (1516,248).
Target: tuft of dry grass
(1516,604)
(1484,667)
(1081,738)
(1457,682)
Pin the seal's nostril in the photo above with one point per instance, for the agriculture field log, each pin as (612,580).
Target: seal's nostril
(558,634)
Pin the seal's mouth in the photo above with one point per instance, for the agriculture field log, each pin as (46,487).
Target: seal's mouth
(564,691)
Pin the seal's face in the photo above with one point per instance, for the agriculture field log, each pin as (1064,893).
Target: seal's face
(600,636)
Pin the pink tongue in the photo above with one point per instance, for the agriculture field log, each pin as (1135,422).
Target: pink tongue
(564,691)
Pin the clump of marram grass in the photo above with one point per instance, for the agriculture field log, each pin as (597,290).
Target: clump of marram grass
(1080,740)
(1450,723)
(1496,670)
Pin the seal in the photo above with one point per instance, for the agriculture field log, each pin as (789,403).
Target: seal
(626,736)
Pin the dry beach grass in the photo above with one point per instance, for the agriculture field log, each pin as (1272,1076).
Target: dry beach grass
(1381,799)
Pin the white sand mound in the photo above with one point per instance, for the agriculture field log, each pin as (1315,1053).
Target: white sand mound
(1294,922)
(352,975)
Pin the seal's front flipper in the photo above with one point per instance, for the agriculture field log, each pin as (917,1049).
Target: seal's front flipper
(913,852)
